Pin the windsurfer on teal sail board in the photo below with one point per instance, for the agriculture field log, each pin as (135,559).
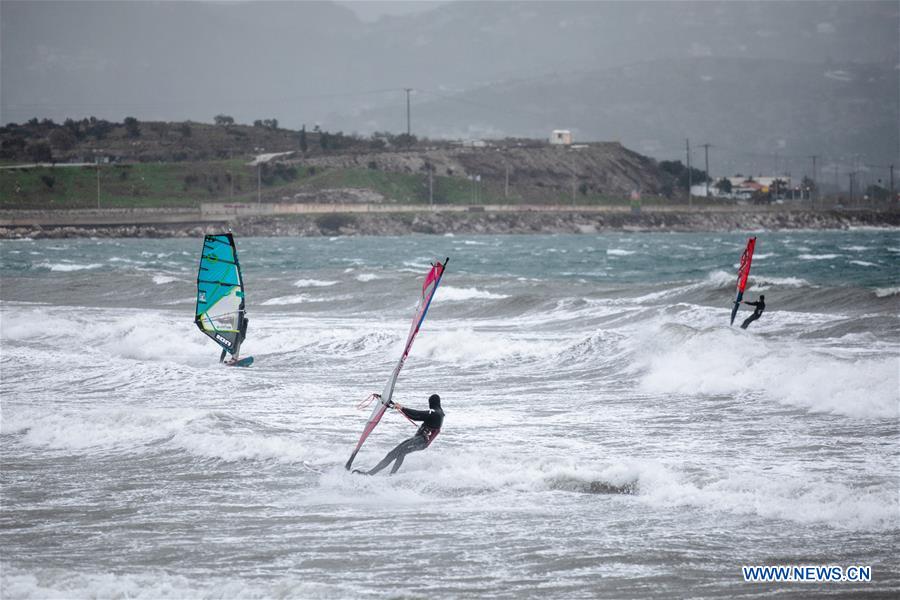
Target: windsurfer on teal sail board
(220,311)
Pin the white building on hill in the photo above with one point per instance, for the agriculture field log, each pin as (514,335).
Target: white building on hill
(561,137)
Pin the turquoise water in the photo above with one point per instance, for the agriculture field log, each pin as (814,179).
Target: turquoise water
(607,433)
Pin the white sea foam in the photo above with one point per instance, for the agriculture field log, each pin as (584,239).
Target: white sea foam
(164,279)
(783,282)
(619,252)
(67,266)
(285,300)
(468,346)
(863,263)
(818,256)
(855,248)
(154,585)
(802,499)
(301,283)
(721,278)
(142,336)
(707,363)
(887,291)
(96,429)
(450,293)
(367,277)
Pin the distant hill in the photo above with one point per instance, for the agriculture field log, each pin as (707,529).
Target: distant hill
(767,83)
(759,115)
(180,164)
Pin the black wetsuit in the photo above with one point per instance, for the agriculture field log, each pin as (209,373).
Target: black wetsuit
(757,312)
(432,419)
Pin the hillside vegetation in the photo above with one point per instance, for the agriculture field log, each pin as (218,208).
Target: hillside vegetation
(146,164)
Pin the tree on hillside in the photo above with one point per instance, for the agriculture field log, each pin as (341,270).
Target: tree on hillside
(223,120)
(724,186)
(62,138)
(303,143)
(132,127)
(185,130)
(877,193)
(75,128)
(40,152)
(677,169)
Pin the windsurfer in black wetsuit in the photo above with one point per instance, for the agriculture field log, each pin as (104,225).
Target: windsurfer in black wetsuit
(760,306)
(432,419)
(242,335)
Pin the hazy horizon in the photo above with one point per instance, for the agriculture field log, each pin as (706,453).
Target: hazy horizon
(766,84)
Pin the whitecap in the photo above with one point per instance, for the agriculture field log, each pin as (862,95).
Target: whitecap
(887,291)
(66,267)
(818,256)
(284,300)
(313,283)
(455,294)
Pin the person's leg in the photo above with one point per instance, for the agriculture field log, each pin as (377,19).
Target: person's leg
(749,320)
(394,454)
(413,445)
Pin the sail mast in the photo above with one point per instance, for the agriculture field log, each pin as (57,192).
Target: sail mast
(429,287)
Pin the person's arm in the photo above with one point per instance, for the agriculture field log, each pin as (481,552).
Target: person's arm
(415,415)
(751,303)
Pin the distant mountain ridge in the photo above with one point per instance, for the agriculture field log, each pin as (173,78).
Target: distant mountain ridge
(316,62)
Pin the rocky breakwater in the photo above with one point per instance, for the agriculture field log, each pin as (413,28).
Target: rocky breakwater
(482,222)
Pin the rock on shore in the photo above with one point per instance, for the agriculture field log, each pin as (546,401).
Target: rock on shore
(331,224)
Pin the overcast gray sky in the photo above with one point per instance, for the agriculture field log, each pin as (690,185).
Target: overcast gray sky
(773,80)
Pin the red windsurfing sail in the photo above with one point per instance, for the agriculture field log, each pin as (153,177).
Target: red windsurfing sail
(743,273)
(429,287)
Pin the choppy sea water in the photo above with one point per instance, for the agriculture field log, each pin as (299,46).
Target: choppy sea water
(607,434)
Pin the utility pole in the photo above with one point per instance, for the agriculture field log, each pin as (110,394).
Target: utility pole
(814,179)
(506,186)
(706,153)
(687,143)
(837,182)
(98,184)
(408,128)
(574,182)
(893,195)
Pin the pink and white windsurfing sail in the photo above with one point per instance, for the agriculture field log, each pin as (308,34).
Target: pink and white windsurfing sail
(429,287)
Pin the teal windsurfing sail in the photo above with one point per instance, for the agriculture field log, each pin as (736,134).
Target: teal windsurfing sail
(220,312)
